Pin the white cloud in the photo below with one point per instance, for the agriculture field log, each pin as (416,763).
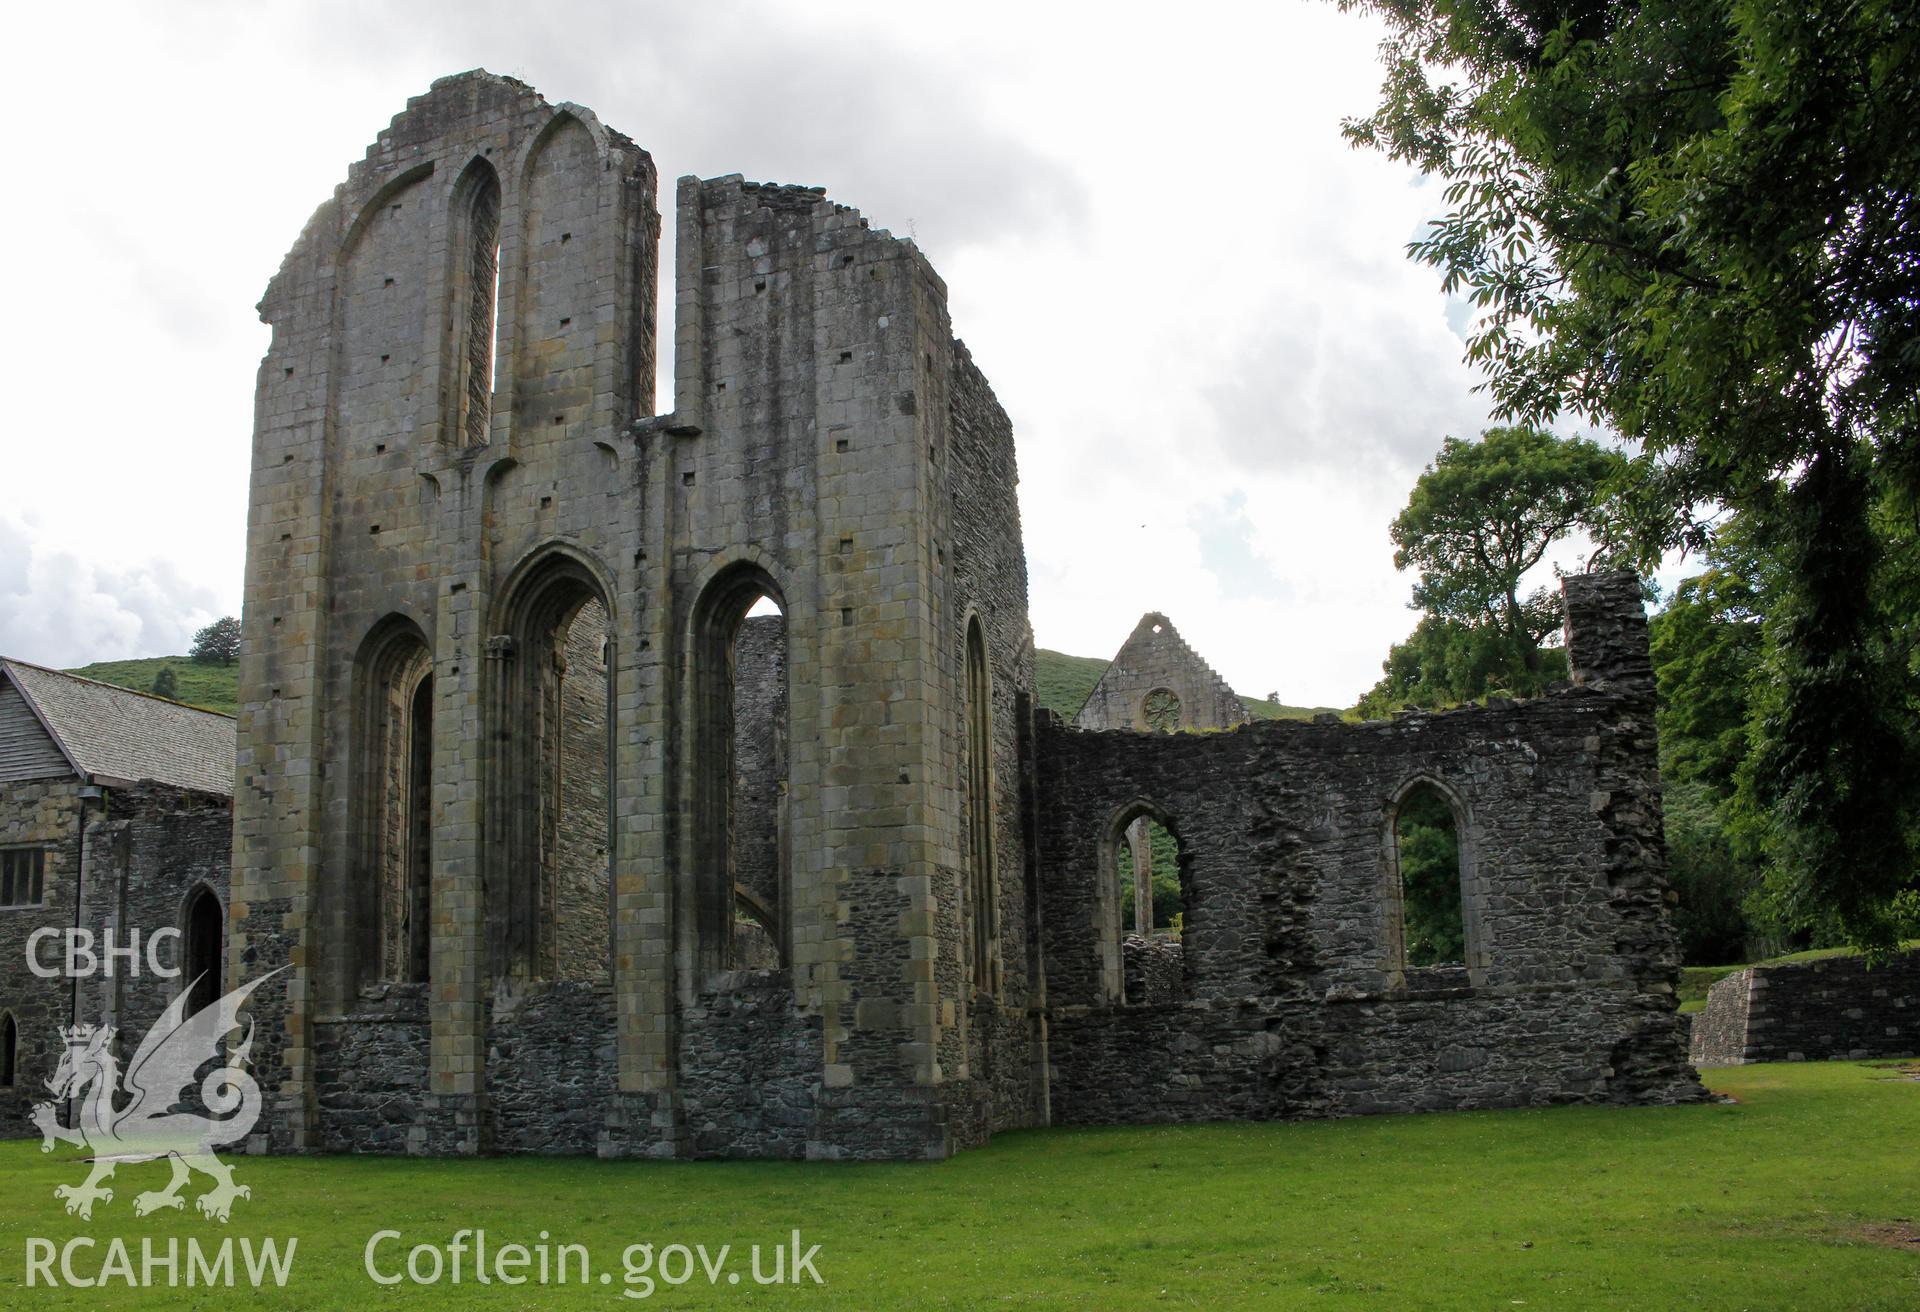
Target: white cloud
(1191,296)
(59,609)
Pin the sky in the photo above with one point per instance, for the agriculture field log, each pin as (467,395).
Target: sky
(1191,296)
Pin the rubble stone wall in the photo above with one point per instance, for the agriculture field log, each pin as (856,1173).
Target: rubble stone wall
(1298,1001)
(1830,1009)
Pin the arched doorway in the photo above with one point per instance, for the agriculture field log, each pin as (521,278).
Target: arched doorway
(204,927)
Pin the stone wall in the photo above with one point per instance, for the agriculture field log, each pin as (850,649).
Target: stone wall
(1830,1009)
(1298,1001)
(374,1060)
(582,903)
(760,763)
(830,445)
(45,814)
(1155,968)
(145,849)
(151,851)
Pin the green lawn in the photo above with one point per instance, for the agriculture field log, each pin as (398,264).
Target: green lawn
(1763,1204)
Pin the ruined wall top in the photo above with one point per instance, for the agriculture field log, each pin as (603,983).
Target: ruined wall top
(1606,630)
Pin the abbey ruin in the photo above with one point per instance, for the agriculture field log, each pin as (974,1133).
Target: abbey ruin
(671,784)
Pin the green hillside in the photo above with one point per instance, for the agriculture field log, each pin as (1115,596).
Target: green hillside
(1064,683)
(209,686)
(1261,709)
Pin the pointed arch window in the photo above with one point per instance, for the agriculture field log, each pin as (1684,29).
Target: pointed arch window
(476,316)
(1432,883)
(742,892)
(205,925)
(9,1050)
(981,890)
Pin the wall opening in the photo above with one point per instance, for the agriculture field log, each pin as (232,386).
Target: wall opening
(552,911)
(417,878)
(477,302)
(982,885)
(392,808)
(23,877)
(1161,710)
(1147,872)
(205,933)
(742,847)
(1141,911)
(9,1050)
(1427,861)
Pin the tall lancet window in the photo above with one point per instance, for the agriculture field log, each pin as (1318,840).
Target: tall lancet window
(980,845)
(477,286)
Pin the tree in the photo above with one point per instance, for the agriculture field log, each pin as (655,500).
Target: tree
(1484,513)
(166,683)
(218,643)
(1479,518)
(1446,663)
(1707,648)
(1696,220)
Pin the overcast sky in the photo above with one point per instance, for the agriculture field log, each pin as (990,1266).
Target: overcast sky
(1190,295)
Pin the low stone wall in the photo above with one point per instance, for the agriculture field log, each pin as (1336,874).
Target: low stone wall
(371,1070)
(1154,967)
(550,1067)
(1830,1010)
(750,1068)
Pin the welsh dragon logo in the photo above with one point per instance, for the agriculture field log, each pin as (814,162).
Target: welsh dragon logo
(152,1123)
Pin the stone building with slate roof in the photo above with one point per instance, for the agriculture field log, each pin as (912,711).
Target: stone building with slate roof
(115,819)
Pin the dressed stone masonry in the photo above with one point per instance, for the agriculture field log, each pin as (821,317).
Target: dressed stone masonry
(569,854)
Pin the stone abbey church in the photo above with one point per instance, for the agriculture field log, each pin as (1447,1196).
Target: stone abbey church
(667,780)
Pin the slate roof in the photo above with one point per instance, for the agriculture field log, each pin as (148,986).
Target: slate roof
(117,734)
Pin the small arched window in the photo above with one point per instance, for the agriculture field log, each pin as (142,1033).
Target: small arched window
(1142,913)
(742,890)
(9,1050)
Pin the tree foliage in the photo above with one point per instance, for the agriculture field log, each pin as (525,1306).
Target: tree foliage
(1481,516)
(1447,663)
(166,683)
(1696,220)
(1485,513)
(218,643)
(1429,845)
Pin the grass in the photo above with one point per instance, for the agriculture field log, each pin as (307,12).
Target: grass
(209,686)
(1771,1203)
(1696,980)
(1063,683)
